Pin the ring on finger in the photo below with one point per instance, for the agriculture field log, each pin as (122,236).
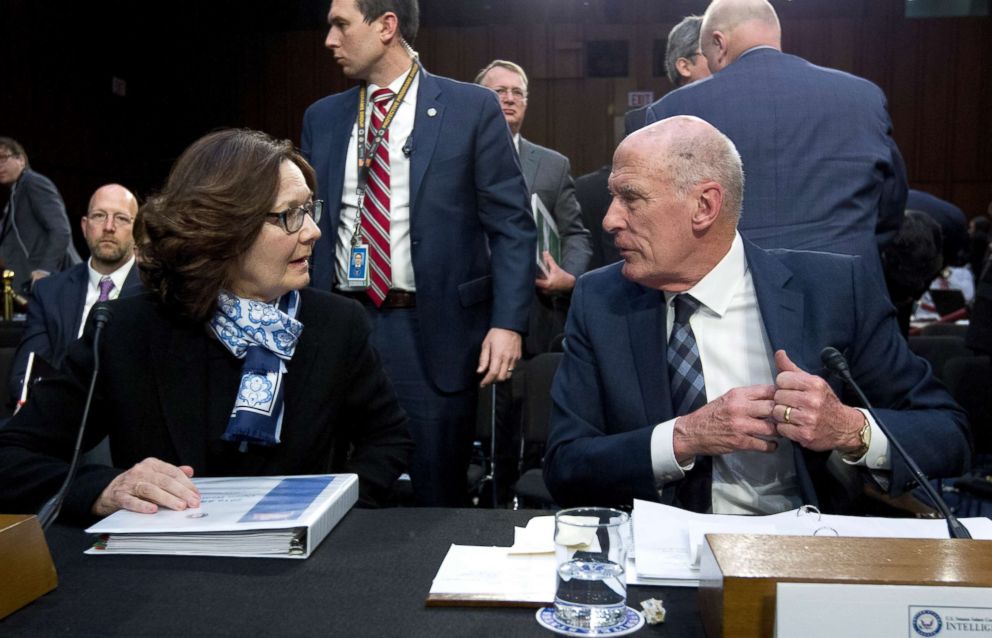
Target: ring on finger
(788,413)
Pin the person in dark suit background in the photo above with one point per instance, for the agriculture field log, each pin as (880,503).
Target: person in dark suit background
(740,419)
(823,170)
(460,242)
(549,175)
(226,367)
(59,304)
(593,193)
(684,63)
(35,238)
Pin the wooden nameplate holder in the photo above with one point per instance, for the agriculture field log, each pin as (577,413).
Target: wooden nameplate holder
(739,572)
(28,572)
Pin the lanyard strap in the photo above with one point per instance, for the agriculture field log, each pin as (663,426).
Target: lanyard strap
(366,152)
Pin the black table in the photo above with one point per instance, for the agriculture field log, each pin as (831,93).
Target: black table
(369,577)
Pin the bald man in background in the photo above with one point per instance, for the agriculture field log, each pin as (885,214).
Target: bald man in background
(823,170)
(59,304)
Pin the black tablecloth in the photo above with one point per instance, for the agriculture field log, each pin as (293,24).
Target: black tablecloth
(369,577)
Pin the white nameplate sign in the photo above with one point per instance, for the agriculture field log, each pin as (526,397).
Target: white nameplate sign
(815,610)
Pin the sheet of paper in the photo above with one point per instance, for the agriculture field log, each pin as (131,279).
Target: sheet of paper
(667,539)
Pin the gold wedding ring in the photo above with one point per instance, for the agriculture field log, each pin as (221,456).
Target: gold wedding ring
(788,413)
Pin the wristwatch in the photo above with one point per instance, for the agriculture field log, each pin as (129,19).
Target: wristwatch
(865,436)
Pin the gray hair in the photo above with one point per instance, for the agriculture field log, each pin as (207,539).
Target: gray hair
(695,158)
(505,64)
(683,42)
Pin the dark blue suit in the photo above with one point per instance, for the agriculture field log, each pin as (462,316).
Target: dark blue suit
(55,313)
(472,240)
(822,170)
(612,387)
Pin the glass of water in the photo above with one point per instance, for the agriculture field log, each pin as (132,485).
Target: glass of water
(591,545)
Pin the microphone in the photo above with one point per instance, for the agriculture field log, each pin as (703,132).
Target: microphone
(408,147)
(102,315)
(837,364)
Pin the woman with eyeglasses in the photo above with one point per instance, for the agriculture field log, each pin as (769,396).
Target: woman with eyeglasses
(228,366)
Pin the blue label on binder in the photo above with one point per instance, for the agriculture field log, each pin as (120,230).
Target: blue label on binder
(287,500)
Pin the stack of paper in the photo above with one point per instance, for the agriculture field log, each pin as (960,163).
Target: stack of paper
(669,539)
(272,516)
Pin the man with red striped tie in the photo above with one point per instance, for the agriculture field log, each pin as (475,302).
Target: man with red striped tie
(427,224)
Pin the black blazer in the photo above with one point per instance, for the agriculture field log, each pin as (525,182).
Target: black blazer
(166,390)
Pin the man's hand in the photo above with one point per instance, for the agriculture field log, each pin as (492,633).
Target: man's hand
(500,353)
(558,280)
(736,421)
(818,420)
(146,486)
(38,274)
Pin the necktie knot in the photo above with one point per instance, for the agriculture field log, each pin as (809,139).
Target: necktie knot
(106,285)
(382,97)
(685,305)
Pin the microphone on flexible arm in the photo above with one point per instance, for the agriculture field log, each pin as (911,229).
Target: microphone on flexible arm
(837,364)
(50,510)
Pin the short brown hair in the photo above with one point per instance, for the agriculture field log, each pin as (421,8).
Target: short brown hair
(15,149)
(192,233)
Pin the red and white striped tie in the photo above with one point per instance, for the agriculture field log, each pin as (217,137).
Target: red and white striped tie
(375,216)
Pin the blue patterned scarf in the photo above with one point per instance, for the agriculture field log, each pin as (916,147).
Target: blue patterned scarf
(265,336)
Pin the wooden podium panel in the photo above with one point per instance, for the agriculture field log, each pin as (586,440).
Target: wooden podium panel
(739,572)
(28,572)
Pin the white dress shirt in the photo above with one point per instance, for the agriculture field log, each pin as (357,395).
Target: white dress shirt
(734,351)
(93,288)
(400,130)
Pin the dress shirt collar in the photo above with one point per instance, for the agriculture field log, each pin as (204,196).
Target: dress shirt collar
(717,288)
(397,84)
(118,276)
(516,142)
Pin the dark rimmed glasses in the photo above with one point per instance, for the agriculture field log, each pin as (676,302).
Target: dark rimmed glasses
(291,219)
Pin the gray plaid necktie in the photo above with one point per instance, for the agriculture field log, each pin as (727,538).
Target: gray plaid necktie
(685,370)
(685,373)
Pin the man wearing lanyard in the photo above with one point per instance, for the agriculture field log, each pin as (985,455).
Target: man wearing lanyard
(441,223)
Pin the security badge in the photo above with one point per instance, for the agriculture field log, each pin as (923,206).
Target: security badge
(358,266)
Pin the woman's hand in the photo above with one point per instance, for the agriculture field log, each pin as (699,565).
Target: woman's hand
(148,485)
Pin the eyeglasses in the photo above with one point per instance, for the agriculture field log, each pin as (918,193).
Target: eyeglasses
(291,219)
(100,218)
(515,92)
(5,157)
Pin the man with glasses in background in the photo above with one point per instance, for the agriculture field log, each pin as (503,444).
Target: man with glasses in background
(548,174)
(59,304)
(684,64)
(35,238)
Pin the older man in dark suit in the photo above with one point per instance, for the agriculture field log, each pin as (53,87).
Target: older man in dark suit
(823,170)
(692,370)
(549,176)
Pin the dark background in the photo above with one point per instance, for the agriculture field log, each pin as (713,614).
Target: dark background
(193,66)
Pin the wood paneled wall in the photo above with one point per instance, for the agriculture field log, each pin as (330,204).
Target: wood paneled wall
(195,66)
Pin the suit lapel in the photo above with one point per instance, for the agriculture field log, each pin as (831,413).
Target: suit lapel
(72,313)
(646,323)
(132,283)
(180,363)
(340,126)
(781,308)
(529,161)
(426,128)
